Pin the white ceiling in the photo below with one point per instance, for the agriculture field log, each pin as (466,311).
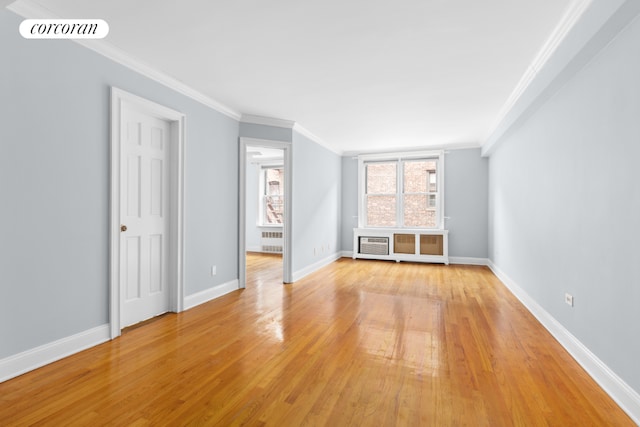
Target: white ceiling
(361,75)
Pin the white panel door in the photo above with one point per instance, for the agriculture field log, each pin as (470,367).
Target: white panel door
(144,214)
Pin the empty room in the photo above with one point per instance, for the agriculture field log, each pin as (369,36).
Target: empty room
(357,213)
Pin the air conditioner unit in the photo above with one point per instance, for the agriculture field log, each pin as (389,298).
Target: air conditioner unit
(374,245)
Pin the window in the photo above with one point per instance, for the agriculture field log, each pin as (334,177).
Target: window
(420,191)
(272,195)
(381,194)
(401,190)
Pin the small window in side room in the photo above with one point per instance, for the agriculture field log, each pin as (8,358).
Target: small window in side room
(272,195)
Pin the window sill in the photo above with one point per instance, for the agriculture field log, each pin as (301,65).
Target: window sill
(437,230)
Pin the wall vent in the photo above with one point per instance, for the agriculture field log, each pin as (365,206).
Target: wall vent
(272,249)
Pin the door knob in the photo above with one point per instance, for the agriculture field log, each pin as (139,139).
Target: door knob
(123,228)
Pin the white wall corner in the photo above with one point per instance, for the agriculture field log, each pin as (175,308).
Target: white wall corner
(34,358)
(625,396)
(297,275)
(209,294)
(346,254)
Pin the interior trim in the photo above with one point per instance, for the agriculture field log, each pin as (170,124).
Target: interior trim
(37,357)
(28,9)
(207,295)
(627,398)
(596,26)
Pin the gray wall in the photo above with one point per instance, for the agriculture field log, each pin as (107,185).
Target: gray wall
(317,173)
(54,187)
(349,201)
(466,189)
(466,203)
(565,205)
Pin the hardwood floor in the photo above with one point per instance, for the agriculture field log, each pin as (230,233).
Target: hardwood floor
(358,343)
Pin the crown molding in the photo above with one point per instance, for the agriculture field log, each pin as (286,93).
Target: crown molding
(287,124)
(304,132)
(28,9)
(267,121)
(594,27)
(567,22)
(445,147)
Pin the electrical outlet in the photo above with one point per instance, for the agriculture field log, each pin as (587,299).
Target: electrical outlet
(214,270)
(568,298)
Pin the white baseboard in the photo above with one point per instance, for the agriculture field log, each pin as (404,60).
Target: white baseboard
(209,294)
(29,360)
(297,275)
(625,396)
(468,260)
(346,254)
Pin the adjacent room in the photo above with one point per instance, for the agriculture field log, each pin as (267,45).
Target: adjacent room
(329,213)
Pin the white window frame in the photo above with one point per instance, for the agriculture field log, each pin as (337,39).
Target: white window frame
(400,157)
(262,185)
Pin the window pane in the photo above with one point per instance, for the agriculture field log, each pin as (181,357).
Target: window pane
(433,184)
(417,213)
(381,178)
(381,211)
(432,201)
(273,209)
(274,181)
(419,176)
(273,198)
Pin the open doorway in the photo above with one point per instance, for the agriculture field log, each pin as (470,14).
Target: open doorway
(265,214)
(265,206)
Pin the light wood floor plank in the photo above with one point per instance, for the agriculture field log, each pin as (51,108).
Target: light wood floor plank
(363,343)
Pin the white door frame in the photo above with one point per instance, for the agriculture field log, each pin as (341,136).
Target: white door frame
(287,275)
(175,253)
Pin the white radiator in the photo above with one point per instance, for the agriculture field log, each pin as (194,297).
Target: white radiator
(271,241)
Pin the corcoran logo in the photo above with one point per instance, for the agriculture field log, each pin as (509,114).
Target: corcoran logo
(64,29)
